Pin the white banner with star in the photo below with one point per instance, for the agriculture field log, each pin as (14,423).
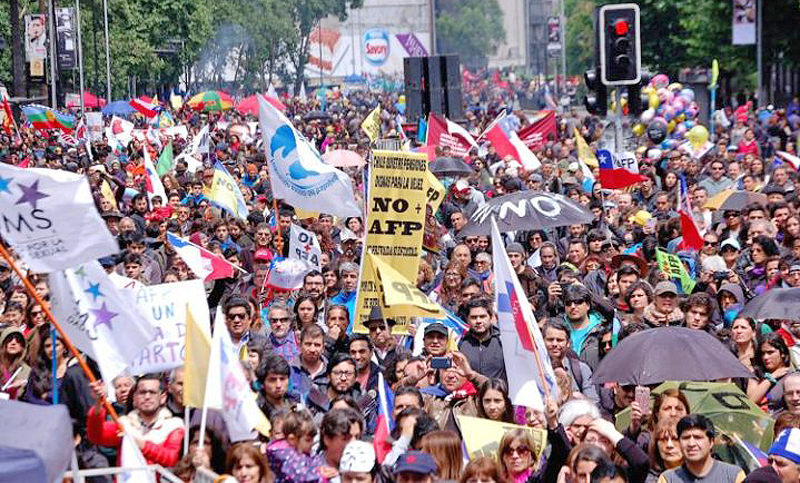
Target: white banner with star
(50,219)
(100,319)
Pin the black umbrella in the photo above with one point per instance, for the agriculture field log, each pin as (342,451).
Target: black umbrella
(527,210)
(317,115)
(776,303)
(668,354)
(451,167)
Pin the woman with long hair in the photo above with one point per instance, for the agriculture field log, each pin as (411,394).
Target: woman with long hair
(582,460)
(14,371)
(448,294)
(743,341)
(664,451)
(638,296)
(305,311)
(445,447)
(210,454)
(772,363)
(40,385)
(494,402)
(246,463)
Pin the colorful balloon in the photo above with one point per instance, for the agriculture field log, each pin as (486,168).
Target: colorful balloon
(638,129)
(688,94)
(675,86)
(660,81)
(698,136)
(652,100)
(657,130)
(647,115)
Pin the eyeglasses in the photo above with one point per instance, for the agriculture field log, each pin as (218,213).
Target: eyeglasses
(573,302)
(278,319)
(520,450)
(342,374)
(237,316)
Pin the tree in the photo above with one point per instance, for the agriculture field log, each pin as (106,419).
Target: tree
(473,29)
(306,15)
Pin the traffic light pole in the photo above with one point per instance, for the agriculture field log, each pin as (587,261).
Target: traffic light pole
(618,121)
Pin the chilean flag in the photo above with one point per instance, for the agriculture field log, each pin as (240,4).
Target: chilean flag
(152,182)
(445,133)
(385,419)
(204,264)
(692,240)
(145,108)
(791,159)
(615,178)
(511,145)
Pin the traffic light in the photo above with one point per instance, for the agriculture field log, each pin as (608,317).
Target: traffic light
(635,99)
(620,44)
(596,100)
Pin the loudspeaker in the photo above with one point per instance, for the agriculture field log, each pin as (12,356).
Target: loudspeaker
(412,73)
(434,85)
(451,71)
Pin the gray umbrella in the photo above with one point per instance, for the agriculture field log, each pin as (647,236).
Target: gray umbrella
(526,210)
(37,442)
(668,354)
(776,303)
(450,167)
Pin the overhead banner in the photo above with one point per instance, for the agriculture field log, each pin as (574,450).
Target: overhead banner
(397,204)
(66,39)
(482,436)
(540,131)
(744,22)
(35,37)
(553,34)
(165,306)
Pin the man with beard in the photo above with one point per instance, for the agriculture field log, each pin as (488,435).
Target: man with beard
(310,368)
(314,285)
(366,370)
(341,382)
(380,334)
(157,433)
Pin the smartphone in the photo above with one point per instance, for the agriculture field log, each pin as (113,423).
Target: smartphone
(441,363)
(643,398)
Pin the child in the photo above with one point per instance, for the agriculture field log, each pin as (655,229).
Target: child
(290,454)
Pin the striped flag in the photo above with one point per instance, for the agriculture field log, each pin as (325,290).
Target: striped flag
(145,108)
(692,240)
(445,133)
(385,423)
(524,351)
(205,265)
(152,181)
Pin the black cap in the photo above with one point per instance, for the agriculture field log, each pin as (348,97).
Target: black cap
(436,327)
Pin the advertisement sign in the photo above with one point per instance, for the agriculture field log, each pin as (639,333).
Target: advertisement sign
(553,34)
(35,37)
(376,46)
(66,39)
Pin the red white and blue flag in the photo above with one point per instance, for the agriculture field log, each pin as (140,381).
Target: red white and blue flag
(520,335)
(385,419)
(509,144)
(613,177)
(692,240)
(204,264)
(152,182)
(144,107)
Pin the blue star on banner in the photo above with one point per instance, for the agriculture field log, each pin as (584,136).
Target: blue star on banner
(31,194)
(4,184)
(94,291)
(103,316)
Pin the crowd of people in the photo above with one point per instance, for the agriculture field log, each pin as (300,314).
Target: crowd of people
(317,381)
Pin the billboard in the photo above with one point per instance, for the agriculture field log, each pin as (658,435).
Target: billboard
(35,37)
(66,38)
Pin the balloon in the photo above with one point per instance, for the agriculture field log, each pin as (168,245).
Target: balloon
(698,136)
(665,145)
(652,100)
(678,104)
(679,131)
(669,113)
(681,117)
(638,129)
(647,90)
(660,81)
(671,126)
(689,124)
(675,86)
(688,94)
(657,130)
(401,99)
(647,115)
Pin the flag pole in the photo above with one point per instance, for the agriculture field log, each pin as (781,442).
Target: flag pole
(64,337)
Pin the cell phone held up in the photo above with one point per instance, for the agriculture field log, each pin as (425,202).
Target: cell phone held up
(642,397)
(441,363)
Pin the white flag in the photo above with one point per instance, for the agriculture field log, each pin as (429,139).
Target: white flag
(519,334)
(119,132)
(50,219)
(228,390)
(100,319)
(131,457)
(201,141)
(153,184)
(303,245)
(297,173)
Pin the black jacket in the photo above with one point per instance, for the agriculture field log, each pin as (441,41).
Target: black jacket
(486,357)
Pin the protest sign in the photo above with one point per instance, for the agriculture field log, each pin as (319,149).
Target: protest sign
(395,224)
(626,160)
(165,306)
(482,436)
(303,245)
(673,267)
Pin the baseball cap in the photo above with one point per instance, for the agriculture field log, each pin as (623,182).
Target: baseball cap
(787,445)
(666,287)
(729,242)
(263,254)
(357,457)
(437,328)
(795,267)
(461,186)
(641,217)
(415,462)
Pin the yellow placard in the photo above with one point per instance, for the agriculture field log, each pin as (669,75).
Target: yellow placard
(372,124)
(398,291)
(482,436)
(436,191)
(397,202)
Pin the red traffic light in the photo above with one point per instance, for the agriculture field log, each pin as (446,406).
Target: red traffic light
(621,27)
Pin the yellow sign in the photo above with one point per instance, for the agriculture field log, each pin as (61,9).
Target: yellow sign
(585,154)
(482,436)
(397,202)
(398,291)
(436,191)
(372,124)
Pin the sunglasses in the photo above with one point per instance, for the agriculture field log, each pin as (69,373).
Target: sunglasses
(521,450)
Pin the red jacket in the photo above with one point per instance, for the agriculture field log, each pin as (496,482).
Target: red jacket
(164,440)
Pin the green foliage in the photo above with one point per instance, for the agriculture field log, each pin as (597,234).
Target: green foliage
(473,29)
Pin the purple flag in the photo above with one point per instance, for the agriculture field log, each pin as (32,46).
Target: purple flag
(413,46)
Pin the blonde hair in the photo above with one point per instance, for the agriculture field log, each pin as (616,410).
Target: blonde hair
(445,447)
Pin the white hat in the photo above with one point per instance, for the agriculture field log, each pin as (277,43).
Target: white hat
(357,457)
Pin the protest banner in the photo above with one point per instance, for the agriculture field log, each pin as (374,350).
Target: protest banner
(436,192)
(397,202)
(303,245)
(482,436)
(165,306)
(673,267)
(541,130)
